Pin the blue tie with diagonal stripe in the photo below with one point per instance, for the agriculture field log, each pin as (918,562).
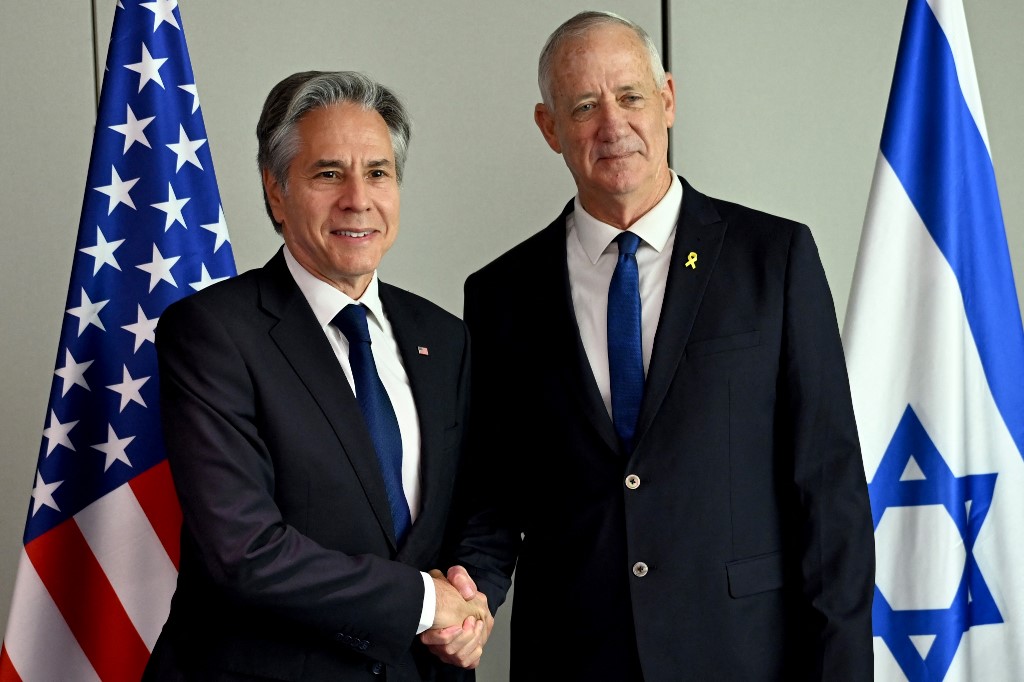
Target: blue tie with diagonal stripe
(378,412)
(625,358)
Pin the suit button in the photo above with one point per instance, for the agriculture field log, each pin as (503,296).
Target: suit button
(639,569)
(632,481)
(377,668)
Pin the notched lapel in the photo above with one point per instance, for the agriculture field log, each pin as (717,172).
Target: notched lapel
(698,243)
(421,354)
(552,268)
(297,334)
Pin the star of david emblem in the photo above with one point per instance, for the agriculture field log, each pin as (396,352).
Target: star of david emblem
(913,483)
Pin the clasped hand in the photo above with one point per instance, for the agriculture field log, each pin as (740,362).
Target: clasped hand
(462,621)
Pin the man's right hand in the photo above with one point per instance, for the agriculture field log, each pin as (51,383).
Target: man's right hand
(462,621)
(457,602)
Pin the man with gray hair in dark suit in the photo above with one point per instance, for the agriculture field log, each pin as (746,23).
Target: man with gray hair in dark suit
(314,420)
(663,436)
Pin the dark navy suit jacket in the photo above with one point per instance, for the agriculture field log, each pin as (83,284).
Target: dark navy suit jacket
(289,568)
(735,541)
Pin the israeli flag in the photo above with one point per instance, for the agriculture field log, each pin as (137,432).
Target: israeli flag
(935,350)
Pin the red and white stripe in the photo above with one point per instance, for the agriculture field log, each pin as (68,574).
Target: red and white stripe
(92,594)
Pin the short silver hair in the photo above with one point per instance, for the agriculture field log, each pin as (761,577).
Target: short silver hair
(577,27)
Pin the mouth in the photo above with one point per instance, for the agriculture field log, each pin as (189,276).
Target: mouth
(353,234)
(616,155)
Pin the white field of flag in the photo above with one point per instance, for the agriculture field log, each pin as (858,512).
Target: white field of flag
(935,350)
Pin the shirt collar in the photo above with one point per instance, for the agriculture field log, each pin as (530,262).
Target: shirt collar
(327,301)
(654,227)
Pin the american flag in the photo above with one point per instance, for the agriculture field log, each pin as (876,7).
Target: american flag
(100,554)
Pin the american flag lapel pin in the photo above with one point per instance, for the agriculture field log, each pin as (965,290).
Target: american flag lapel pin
(422,350)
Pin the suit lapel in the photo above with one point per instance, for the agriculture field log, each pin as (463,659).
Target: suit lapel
(552,264)
(297,334)
(700,232)
(414,343)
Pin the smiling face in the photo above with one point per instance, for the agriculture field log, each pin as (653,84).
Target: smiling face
(339,213)
(609,121)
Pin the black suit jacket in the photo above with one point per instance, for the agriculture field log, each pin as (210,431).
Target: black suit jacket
(289,568)
(735,541)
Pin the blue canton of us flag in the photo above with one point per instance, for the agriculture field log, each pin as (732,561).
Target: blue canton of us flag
(935,348)
(101,538)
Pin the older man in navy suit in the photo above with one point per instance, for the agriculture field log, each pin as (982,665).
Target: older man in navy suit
(695,504)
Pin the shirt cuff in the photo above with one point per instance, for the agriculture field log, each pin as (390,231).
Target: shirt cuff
(429,604)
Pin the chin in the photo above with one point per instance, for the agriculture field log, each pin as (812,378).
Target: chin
(622,183)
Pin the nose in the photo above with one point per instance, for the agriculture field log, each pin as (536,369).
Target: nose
(612,120)
(354,195)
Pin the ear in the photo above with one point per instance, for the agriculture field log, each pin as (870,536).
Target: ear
(668,98)
(275,195)
(546,122)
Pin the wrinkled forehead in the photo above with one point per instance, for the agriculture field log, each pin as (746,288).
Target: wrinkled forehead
(606,59)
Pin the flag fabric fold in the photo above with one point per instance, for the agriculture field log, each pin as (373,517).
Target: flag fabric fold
(935,349)
(100,553)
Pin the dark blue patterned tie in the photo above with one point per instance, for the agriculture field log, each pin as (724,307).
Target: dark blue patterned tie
(625,358)
(377,410)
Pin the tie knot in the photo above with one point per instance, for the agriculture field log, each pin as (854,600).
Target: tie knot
(628,243)
(352,323)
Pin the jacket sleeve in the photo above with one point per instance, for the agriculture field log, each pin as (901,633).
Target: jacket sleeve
(228,441)
(836,529)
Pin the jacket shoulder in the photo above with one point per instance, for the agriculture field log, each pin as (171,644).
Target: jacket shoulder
(414,306)
(736,214)
(514,265)
(220,297)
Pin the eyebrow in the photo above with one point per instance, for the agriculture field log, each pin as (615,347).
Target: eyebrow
(335,163)
(633,86)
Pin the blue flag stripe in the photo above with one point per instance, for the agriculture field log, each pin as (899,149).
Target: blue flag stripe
(934,146)
(151,200)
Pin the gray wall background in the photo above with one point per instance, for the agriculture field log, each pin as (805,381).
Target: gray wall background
(780,106)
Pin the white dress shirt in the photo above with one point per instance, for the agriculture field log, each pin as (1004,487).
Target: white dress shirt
(326,302)
(591,256)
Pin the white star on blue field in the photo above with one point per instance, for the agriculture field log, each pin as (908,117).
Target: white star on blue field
(967,500)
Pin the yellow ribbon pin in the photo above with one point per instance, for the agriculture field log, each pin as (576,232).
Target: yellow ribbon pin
(691,260)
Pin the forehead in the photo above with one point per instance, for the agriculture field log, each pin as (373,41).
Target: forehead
(609,56)
(343,130)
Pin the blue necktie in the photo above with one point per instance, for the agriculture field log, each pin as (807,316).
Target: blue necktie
(625,358)
(377,410)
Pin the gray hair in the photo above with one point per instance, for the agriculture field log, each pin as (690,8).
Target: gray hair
(295,96)
(577,27)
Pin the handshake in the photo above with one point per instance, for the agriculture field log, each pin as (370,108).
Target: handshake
(462,621)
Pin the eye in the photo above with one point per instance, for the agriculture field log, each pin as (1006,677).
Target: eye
(583,111)
(327,174)
(378,173)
